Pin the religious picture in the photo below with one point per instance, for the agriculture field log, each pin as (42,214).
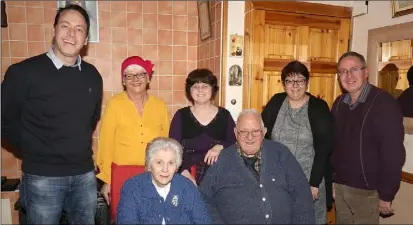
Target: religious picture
(236,45)
(235,75)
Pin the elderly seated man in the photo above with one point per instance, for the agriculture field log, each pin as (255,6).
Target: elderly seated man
(257,181)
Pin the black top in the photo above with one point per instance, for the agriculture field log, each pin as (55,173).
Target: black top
(322,127)
(51,114)
(406,102)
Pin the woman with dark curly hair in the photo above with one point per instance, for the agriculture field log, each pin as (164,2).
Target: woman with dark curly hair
(203,129)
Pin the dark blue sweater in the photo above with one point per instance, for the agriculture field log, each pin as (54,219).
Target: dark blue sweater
(140,203)
(369,151)
(50,115)
(281,196)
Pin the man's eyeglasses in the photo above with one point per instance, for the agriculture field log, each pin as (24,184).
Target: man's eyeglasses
(136,75)
(300,82)
(351,71)
(245,133)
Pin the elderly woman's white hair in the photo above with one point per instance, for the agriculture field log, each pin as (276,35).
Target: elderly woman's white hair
(161,144)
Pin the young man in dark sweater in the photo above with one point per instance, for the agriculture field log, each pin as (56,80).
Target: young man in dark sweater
(51,104)
(406,98)
(369,153)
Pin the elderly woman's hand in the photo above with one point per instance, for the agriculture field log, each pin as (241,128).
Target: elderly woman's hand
(212,155)
(186,174)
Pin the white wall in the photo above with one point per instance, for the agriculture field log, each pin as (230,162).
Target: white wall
(235,26)
(379,15)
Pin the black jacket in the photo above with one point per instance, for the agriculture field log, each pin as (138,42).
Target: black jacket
(322,128)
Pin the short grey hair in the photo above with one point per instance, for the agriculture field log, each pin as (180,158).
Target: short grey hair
(353,54)
(163,143)
(252,112)
(131,67)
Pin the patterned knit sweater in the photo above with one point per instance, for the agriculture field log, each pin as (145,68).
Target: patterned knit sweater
(281,196)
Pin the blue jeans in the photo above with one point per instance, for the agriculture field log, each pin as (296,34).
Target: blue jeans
(44,198)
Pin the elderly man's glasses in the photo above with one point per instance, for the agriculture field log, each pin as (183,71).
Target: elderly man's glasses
(130,76)
(300,82)
(350,71)
(245,133)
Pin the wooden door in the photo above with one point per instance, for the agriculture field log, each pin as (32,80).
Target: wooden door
(273,39)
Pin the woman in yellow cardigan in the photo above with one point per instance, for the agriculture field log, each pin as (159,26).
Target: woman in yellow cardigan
(131,120)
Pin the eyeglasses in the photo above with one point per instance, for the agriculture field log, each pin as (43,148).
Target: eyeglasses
(300,82)
(136,75)
(245,133)
(351,71)
(200,86)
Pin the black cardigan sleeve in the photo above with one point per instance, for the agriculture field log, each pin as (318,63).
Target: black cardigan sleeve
(322,127)
(270,112)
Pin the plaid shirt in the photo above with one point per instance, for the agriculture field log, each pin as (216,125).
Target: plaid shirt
(361,99)
(257,164)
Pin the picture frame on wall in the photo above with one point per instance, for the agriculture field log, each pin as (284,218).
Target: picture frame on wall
(236,45)
(400,8)
(204,20)
(91,8)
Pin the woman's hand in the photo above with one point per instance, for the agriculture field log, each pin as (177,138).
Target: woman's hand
(188,175)
(314,192)
(212,155)
(105,191)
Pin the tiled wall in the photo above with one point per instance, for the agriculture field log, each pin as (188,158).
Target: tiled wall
(209,50)
(164,31)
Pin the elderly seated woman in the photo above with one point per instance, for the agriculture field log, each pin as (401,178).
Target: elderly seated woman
(161,195)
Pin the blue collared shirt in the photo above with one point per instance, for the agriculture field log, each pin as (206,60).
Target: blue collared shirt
(58,63)
(361,99)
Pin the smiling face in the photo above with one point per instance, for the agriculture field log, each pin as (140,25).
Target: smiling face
(352,74)
(135,79)
(201,93)
(70,34)
(163,167)
(295,86)
(249,133)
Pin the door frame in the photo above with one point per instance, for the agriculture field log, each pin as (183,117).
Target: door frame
(375,37)
(255,14)
(380,35)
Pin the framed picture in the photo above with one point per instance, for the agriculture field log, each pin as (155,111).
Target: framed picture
(235,75)
(400,8)
(204,20)
(91,8)
(236,45)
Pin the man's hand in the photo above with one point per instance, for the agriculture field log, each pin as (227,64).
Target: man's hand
(186,174)
(385,208)
(212,155)
(314,192)
(105,191)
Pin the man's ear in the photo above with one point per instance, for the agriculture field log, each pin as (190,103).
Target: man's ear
(264,131)
(235,132)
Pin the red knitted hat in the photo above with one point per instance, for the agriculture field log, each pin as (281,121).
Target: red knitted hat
(136,60)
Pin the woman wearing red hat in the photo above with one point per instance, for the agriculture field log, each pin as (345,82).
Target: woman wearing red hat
(131,120)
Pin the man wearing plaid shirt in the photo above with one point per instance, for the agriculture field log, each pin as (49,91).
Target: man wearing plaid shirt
(257,181)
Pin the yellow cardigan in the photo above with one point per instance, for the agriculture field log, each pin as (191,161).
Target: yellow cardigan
(124,133)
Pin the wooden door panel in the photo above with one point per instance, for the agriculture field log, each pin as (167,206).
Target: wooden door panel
(322,86)
(280,41)
(272,85)
(323,44)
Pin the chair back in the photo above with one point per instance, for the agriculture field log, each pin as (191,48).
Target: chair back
(120,173)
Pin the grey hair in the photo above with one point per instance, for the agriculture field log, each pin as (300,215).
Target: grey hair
(163,143)
(251,112)
(131,67)
(353,54)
